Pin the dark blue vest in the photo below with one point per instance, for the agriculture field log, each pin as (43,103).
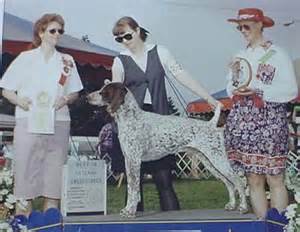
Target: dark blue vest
(154,79)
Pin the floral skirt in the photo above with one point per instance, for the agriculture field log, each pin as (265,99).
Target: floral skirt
(256,139)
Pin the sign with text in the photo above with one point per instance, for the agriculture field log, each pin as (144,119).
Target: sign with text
(84,188)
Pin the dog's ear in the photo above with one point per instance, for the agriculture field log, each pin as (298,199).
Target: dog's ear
(118,96)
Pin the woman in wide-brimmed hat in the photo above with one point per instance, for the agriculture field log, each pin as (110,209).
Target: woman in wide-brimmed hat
(256,132)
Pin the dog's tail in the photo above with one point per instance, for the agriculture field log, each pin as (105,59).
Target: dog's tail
(216,116)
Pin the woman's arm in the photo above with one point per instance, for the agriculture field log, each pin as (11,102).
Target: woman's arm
(183,77)
(12,79)
(10,95)
(65,100)
(117,71)
(13,98)
(70,98)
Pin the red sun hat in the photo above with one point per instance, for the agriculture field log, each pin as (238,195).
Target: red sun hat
(253,14)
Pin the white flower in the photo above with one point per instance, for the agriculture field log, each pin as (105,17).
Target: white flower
(4,226)
(8,205)
(4,192)
(291,212)
(297,197)
(292,207)
(23,228)
(289,227)
(11,199)
(268,195)
(22,204)
(298,221)
(9,181)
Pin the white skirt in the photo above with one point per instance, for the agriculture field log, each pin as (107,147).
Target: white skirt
(39,160)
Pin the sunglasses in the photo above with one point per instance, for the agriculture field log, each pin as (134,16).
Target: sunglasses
(127,36)
(244,26)
(59,31)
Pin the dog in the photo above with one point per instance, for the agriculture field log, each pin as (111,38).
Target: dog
(146,136)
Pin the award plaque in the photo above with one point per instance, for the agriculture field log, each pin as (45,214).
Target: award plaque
(41,115)
(242,78)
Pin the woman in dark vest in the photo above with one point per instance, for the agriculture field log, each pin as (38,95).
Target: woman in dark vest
(143,67)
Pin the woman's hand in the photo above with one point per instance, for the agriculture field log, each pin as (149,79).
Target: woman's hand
(215,103)
(11,96)
(65,100)
(235,66)
(60,102)
(24,103)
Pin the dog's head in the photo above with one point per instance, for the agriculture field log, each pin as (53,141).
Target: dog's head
(111,94)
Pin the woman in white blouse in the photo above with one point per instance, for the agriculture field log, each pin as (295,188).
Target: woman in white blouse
(143,67)
(256,133)
(41,82)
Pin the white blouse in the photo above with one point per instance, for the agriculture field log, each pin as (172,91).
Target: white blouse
(273,74)
(29,75)
(168,62)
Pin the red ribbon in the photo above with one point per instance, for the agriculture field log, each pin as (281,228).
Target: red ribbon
(257,100)
(62,79)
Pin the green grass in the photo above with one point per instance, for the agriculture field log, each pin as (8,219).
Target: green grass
(192,194)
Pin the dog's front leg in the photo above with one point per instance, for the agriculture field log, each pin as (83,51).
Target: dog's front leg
(133,166)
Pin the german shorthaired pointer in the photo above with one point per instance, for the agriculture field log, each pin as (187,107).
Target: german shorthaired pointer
(146,136)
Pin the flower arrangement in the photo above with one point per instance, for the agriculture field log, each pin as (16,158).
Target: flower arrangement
(7,200)
(293,184)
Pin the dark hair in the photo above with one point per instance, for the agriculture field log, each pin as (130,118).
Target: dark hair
(129,21)
(41,25)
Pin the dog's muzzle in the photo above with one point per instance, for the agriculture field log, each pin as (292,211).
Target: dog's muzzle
(95,99)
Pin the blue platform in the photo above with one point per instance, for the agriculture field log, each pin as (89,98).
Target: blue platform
(209,226)
(184,221)
(171,221)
